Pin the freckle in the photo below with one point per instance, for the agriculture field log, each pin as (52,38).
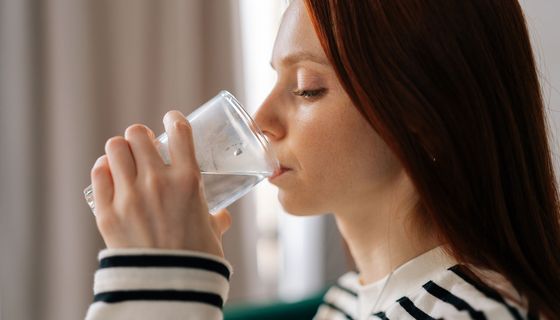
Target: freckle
(237,152)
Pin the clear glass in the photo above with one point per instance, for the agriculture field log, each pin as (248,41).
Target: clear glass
(232,152)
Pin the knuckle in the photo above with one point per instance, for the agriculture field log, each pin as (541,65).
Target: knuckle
(98,170)
(152,180)
(115,143)
(173,115)
(177,120)
(136,130)
(101,163)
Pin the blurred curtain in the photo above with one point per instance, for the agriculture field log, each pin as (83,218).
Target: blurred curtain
(72,74)
(542,18)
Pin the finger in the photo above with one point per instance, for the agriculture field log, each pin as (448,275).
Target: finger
(143,148)
(222,221)
(102,182)
(181,144)
(121,162)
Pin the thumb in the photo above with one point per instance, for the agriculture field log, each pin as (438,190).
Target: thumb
(222,221)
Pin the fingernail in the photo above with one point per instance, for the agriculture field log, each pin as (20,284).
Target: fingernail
(179,124)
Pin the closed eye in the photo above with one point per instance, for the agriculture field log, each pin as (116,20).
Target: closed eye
(310,94)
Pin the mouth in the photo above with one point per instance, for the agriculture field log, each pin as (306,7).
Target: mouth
(280,171)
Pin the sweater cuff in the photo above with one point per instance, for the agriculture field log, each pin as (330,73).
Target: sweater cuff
(161,275)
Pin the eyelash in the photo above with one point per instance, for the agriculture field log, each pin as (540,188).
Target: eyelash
(309,94)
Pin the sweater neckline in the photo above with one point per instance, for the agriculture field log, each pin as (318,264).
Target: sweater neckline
(406,279)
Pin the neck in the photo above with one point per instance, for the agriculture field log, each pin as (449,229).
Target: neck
(383,237)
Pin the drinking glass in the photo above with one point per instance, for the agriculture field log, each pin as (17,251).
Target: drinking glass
(231,151)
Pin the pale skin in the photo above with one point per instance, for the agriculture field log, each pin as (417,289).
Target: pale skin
(142,203)
(337,164)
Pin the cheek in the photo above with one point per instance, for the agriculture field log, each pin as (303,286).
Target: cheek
(323,158)
(370,164)
(342,161)
(317,147)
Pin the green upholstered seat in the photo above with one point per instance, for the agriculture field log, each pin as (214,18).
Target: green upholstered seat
(300,310)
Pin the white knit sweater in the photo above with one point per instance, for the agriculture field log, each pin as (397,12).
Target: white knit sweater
(167,284)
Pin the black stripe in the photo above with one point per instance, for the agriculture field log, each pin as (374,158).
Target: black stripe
(487,291)
(381,315)
(452,299)
(160,295)
(164,261)
(416,313)
(345,289)
(336,308)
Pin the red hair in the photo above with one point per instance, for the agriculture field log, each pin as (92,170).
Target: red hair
(456,81)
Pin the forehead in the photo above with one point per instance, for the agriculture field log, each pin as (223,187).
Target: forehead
(296,39)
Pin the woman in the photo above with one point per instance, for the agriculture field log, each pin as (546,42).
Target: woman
(418,124)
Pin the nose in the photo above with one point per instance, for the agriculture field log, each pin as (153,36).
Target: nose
(270,119)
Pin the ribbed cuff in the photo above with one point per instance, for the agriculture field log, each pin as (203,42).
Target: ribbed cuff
(161,275)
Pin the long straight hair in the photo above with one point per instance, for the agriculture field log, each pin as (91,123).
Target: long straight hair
(452,87)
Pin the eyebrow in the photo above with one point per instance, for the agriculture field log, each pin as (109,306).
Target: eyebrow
(299,56)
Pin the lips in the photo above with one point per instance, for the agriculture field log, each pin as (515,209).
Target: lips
(278,172)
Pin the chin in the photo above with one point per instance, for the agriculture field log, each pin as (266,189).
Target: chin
(298,206)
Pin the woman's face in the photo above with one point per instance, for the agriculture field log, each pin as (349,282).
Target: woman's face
(336,160)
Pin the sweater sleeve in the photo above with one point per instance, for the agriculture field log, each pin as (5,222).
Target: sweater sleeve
(159,284)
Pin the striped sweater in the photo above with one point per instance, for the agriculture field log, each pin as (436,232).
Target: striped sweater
(159,284)
(168,284)
(430,286)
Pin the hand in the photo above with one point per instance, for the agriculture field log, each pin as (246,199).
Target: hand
(142,203)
